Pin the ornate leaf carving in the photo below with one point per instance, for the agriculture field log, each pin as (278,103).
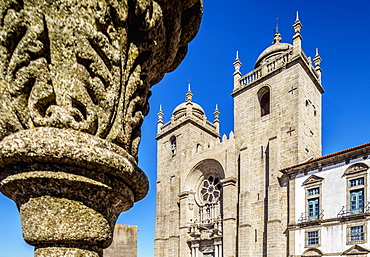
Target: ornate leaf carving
(88,65)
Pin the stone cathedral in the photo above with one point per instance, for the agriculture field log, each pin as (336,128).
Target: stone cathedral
(235,195)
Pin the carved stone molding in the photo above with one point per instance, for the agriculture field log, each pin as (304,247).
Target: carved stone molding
(313,179)
(356,250)
(356,168)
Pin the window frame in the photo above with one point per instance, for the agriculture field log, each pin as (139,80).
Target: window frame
(349,240)
(173,145)
(351,176)
(261,96)
(306,238)
(309,198)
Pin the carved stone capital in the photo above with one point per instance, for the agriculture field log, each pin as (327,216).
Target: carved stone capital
(75,77)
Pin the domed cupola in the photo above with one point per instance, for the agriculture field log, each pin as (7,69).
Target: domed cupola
(189,112)
(188,108)
(273,51)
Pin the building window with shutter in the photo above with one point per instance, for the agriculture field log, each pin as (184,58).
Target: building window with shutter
(356,176)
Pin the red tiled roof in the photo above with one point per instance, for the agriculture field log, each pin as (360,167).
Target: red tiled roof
(325,156)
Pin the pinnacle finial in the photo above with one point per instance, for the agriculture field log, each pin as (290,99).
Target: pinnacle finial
(217,121)
(297,26)
(216,113)
(277,24)
(277,38)
(317,59)
(160,114)
(189,95)
(237,64)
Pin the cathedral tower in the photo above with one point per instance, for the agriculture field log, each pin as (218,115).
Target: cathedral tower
(181,175)
(277,113)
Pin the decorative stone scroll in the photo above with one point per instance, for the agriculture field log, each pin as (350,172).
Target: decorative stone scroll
(75,77)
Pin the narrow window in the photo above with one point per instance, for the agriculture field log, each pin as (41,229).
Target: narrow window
(255,235)
(264,100)
(198,148)
(261,152)
(313,203)
(356,196)
(173,145)
(313,209)
(357,201)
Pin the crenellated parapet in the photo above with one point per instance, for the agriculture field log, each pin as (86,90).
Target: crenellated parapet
(208,147)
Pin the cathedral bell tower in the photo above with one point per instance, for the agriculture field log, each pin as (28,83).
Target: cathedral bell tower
(277,115)
(178,201)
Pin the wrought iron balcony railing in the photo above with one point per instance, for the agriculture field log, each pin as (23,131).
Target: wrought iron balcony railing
(351,210)
(305,216)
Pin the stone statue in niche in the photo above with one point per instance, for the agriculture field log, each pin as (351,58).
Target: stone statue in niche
(75,77)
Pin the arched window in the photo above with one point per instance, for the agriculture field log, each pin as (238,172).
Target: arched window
(173,145)
(264,100)
(198,148)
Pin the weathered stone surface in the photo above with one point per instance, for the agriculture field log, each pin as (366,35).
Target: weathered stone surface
(63,251)
(124,242)
(75,77)
(50,219)
(87,64)
(76,151)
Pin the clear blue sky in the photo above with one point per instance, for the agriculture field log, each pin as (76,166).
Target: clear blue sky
(341,31)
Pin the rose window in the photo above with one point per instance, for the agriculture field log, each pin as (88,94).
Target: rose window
(210,190)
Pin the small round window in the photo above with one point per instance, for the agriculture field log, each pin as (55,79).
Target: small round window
(210,190)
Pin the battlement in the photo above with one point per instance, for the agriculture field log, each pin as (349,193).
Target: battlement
(219,144)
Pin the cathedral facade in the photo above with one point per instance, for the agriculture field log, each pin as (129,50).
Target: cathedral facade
(243,195)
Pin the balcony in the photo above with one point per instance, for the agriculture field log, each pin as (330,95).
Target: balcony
(305,216)
(350,210)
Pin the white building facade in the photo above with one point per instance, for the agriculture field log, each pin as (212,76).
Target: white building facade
(329,207)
